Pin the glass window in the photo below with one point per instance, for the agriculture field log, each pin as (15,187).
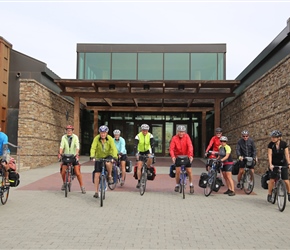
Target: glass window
(204,66)
(176,66)
(124,66)
(221,75)
(98,65)
(150,66)
(81,65)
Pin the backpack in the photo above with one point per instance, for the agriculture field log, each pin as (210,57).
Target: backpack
(264,180)
(14,178)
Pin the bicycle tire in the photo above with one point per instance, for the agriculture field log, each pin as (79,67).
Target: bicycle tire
(143,181)
(102,193)
(248,182)
(4,191)
(210,184)
(66,184)
(281,195)
(274,195)
(182,184)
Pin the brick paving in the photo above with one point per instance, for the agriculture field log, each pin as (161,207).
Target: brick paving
(38,216)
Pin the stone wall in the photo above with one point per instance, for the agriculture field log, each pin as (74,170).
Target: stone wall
(42,119)
(262,107)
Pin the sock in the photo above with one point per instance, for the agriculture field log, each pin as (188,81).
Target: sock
(191,184)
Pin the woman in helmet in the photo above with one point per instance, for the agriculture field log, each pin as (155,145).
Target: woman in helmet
(144,145)
(103,146)
(278,155)
(245,148)
(226,158)
(122,153)
(214,142)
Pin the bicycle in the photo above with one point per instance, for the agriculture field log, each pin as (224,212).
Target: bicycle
(68,160)
(116,173)
(211,182)
(247,181)
(144,172)
(4,188)
(279,191)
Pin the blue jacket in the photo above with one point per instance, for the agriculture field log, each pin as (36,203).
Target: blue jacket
(3,141)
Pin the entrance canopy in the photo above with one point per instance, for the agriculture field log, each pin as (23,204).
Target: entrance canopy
(163,95)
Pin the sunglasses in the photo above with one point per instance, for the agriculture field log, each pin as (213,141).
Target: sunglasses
(245,136)
(218,132)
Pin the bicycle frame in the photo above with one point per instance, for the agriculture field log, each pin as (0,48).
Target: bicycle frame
(279,191)
(212,175)
(69,173)
(103,182)
(247,180)
(144,172)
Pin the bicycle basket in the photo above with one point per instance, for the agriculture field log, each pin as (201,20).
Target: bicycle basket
(203,180)
(172,171)
(182,160)
(218,184)
(128,166)
(68,158)
(151,173)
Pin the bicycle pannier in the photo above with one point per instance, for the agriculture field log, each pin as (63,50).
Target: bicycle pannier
(68,158)
(236,167)
(151,173)
(14,178)
(217,185)
(135,172)
(203,180)
(182,160)
(172,171)
(264,180)
(128,166)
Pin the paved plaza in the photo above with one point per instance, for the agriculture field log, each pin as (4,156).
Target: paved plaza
(38,216)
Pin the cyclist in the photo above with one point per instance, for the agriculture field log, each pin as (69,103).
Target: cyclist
(4,151)
(122,153)
(144,145)
(245,148)
(70,145)
(181,144)
(103,146)
(278,155)
(213,145)
(226,158)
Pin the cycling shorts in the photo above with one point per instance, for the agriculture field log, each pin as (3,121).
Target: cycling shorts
(123,157)
(243,164)
(284,173)
(98,165)
(227,168)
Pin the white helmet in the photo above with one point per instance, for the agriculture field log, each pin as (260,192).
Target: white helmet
(181,128)
(116,132)
(224,138)
(145,127)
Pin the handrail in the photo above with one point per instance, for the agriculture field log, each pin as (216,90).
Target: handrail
(17,155)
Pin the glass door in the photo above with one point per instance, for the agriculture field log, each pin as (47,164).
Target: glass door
(157,131)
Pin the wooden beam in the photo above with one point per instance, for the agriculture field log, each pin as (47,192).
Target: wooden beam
(150,109)
(203,132)
(135,101)
(96,122)
(217,113)
(107,100)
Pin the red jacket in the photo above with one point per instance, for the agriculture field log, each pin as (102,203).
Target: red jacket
(181,146)
(213,145)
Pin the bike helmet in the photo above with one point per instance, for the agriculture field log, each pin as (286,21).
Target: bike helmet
(276,133)
(181,128)
(69,127)
(116,132)
(104,128)
(224,138)
(218,130)
(245,132)
(145,127)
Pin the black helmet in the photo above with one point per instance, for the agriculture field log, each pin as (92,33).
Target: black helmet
(218,130)
(276,133)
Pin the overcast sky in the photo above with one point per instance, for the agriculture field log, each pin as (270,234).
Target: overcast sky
(50,30)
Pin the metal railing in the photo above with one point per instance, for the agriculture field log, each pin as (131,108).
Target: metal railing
(17,155)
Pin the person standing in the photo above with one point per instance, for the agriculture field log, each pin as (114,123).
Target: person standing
(70,145)
(144,145)
(278,155)
(181,144)
(245,148)
(226,159)
(122,153)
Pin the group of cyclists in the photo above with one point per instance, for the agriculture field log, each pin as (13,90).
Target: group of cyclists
(113,148)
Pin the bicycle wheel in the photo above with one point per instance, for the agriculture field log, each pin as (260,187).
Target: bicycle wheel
(4,191)
(102,189)
(274,195)
(66,184)
(143,181)
(281,195)
(210,184)
(248,182)
(182,184)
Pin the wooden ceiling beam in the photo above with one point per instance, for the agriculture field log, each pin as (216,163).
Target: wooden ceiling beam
(150,109)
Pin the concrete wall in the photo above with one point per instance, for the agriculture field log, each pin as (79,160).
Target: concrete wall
(42,119)
(262,107)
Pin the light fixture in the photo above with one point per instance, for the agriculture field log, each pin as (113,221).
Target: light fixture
(181,87)
(146,86)
(112,86)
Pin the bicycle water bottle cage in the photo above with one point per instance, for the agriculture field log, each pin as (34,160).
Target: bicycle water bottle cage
(68,158)
(182,160)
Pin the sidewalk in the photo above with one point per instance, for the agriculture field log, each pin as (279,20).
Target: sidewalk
(38,216)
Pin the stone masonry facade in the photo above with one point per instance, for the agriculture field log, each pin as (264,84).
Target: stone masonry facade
(42,122)
(262,107)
